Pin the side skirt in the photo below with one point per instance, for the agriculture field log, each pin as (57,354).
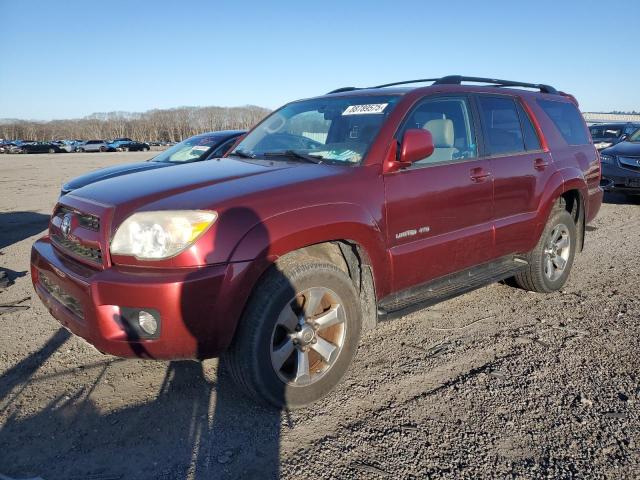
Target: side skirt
(444,288)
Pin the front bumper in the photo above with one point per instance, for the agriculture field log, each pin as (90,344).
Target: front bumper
(199,308)
(619,179)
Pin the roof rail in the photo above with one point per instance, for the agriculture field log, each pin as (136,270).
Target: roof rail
(458,79)
(343,89)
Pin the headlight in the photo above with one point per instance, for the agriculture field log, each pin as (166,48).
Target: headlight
(156,235)
(608,159)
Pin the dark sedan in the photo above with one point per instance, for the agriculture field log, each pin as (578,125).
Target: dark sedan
(40,147)
(608,134)
(195,149)
(127,145)
(621,166)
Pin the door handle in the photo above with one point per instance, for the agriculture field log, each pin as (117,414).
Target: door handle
(479,174)
(540,164)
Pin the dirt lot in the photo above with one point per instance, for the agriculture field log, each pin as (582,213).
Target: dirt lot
(497,383)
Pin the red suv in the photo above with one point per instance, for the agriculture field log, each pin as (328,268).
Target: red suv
(330,215)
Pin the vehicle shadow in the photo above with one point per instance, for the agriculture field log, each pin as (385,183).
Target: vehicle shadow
(619,199)
(197,426)
(16,226)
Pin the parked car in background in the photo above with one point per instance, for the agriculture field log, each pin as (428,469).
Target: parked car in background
(67,145)
(93,146)
(194,149)
(607,134)
(332,213)
(127,145)
(40,147)
(9,147)
(621,166)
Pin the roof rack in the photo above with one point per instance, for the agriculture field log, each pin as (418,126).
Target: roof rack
(458,79)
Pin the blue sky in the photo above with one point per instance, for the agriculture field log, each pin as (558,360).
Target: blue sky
(66,59)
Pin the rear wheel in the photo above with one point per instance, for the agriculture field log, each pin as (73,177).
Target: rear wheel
(298,335)
(103,149)
(551,260)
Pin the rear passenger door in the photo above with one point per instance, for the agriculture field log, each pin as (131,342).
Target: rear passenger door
(439,209)
(520,168)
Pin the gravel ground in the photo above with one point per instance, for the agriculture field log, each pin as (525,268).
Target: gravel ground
(496,383)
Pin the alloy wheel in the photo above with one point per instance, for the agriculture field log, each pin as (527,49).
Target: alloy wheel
(308,336)
(556,252)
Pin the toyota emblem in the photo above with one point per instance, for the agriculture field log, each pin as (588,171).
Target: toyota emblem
(65,227)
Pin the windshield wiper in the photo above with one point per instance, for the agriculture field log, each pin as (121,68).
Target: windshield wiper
(295,154)
(242,154)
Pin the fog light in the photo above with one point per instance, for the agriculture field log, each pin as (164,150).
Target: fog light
(147,322)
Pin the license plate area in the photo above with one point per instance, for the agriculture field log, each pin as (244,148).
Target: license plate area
(61,295)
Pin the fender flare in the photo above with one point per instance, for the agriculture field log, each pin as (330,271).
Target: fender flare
(559,183)
(274,237)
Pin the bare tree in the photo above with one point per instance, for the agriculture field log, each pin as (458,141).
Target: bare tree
(174,124)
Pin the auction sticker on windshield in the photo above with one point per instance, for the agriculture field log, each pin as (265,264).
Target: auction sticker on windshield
(365,109)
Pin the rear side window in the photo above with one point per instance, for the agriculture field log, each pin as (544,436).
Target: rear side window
(503,133)
(568,120)
(531,140)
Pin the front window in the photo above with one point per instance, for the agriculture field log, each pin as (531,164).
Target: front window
(190,150)
(635,137)
(338,130)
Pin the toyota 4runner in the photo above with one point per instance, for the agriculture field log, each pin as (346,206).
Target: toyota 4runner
(332,214)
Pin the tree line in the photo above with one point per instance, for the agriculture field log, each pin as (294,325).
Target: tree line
(167,125)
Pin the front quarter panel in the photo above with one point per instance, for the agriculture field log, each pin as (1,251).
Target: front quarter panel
(296,229)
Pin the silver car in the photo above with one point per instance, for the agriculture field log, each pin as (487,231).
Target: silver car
(93,146)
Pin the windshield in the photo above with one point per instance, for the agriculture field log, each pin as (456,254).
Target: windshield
(332,130)
(190,150)
(635,137)
(611,132)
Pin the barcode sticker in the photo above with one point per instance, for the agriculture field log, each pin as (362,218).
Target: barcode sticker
(370,108)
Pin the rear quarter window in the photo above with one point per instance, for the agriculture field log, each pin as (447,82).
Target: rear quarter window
(568,120)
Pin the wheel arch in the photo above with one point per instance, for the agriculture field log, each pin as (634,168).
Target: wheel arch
(353,242)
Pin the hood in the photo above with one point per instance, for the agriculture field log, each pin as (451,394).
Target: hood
(144,187)
(631,149)
(110,172)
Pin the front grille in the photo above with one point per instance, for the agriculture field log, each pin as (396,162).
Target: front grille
(94,255)
(90,222)
(61,296)
(632,163)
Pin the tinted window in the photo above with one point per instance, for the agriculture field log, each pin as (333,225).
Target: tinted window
(502,125)
(222,149)
(568,120)
(531,140)
(449,121)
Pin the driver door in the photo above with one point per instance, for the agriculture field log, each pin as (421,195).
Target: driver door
(439,210)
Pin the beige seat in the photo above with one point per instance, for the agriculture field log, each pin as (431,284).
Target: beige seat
(443,140)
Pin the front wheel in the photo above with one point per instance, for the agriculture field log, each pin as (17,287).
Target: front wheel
(298,335)
(551,260)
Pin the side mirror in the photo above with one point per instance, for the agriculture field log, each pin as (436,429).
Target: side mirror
(623,138)
(417,144)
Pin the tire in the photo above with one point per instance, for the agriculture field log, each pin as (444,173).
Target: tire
(261,336)
(51,150)
(103,149)
(543,274)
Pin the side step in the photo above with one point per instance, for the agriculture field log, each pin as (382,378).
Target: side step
(443,288)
